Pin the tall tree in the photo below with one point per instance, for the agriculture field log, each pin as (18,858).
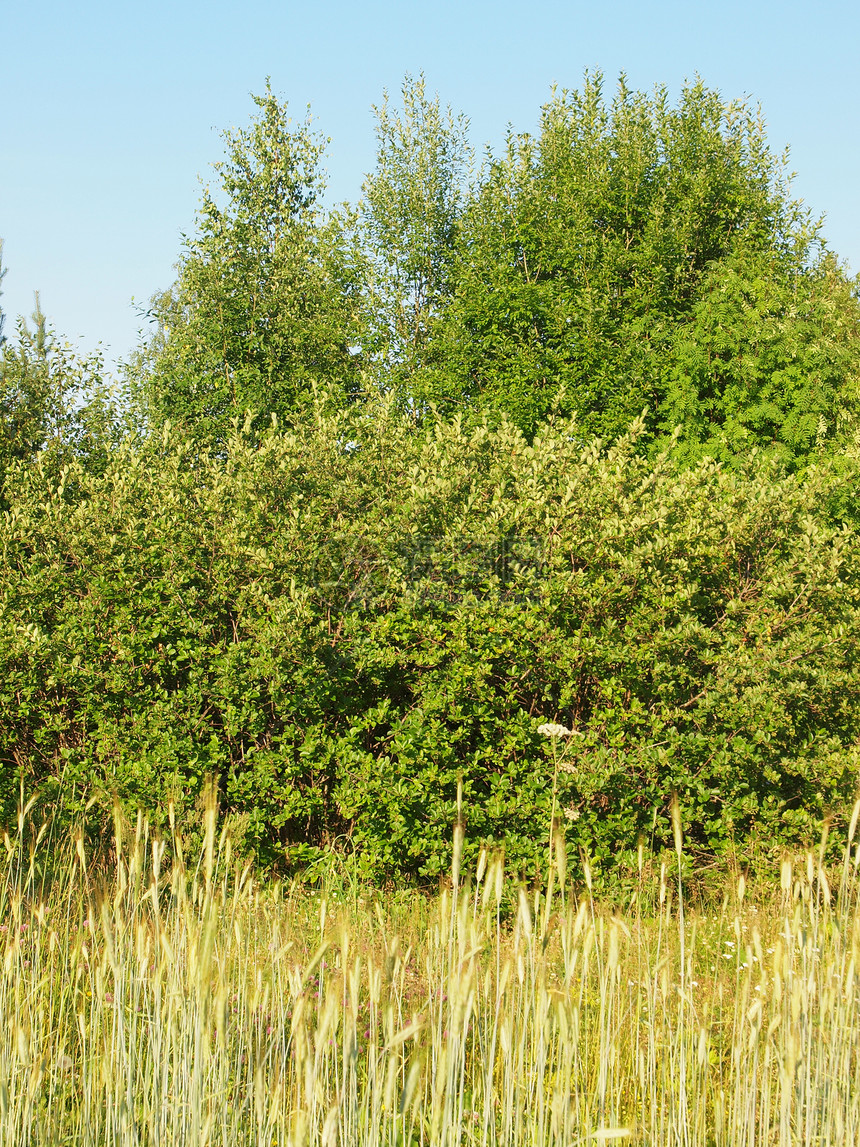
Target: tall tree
(262,307)
(593,262)
(409,217)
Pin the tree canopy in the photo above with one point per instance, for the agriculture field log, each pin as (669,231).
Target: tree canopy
(55,404)
(634,255)
(638,255)
(263,306)
(408,225)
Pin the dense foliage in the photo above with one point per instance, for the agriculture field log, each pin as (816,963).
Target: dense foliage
(340,621)
(570,438)
(263,306)
(633,255)
(643,256)
(54,403)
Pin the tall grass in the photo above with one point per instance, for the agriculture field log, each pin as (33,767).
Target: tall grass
(152,1004)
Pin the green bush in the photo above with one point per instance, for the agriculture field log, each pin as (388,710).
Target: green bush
(340,620)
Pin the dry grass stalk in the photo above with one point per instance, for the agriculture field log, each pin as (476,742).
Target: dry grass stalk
(148,1006)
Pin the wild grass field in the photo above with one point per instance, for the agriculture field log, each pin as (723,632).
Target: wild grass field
(152,1001)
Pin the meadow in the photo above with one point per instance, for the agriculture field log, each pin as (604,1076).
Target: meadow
(155,998)
(564,445)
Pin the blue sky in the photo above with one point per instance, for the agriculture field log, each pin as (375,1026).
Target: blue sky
(112,110)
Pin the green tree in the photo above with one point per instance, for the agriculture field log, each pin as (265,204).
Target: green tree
(264,303)
(54,403)
(594,259)
(765,359)
(409,217)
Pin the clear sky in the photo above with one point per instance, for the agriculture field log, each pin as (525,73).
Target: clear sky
(112,110)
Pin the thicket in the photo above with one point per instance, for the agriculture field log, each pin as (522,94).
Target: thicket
(569,438)
(342,620)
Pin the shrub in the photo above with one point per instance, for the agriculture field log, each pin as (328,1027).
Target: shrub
(341,619)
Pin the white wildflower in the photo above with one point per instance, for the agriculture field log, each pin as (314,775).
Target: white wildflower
(553,730)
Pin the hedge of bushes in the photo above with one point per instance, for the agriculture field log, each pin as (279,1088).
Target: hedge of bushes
(339,621)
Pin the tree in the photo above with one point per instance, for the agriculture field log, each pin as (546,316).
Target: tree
(409,217)
(54,404)
(765,359)
(594,260)
(342,636)
(263,305)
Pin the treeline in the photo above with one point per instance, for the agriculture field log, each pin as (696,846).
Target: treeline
(567,436)
(634,255)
